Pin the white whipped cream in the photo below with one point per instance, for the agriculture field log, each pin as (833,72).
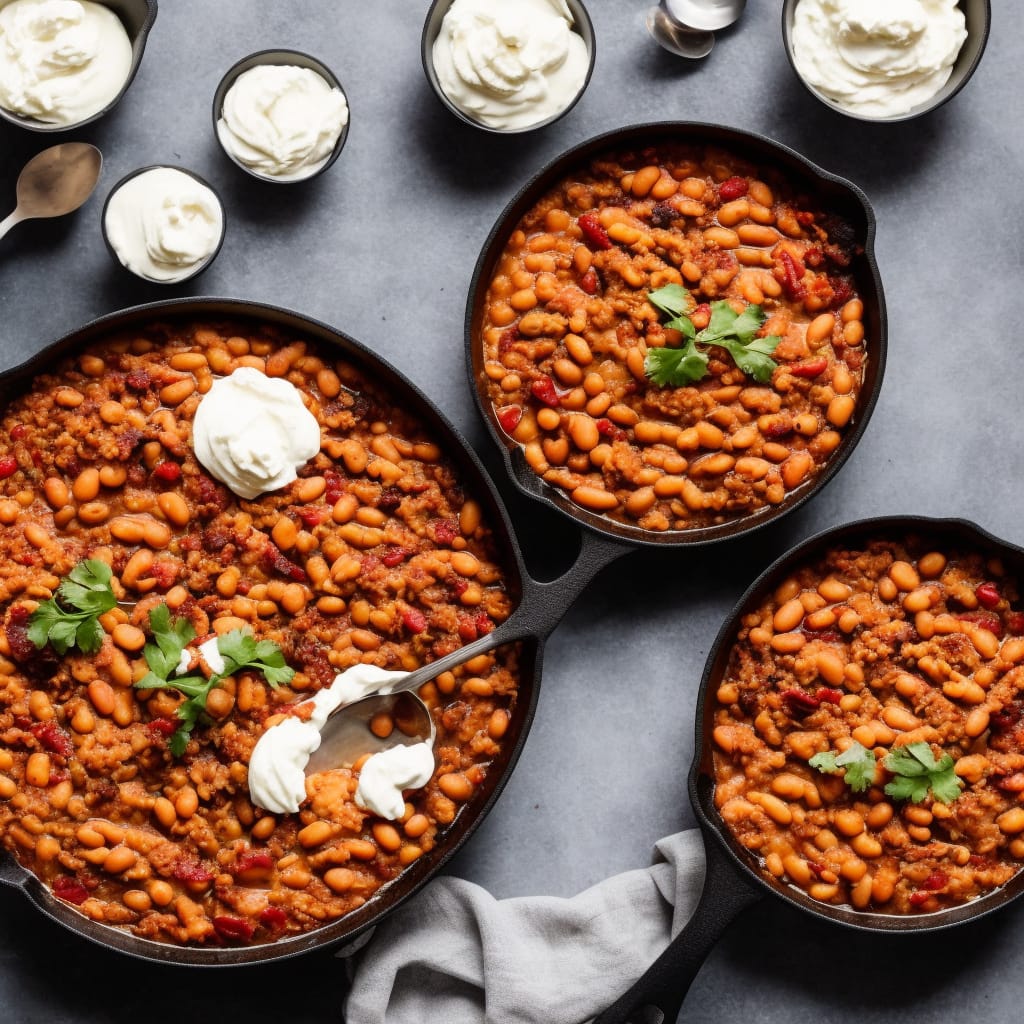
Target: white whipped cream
(510,64)
(879,58)
(386,774)
(253,433)
(282,121)
(61,61)
(164,224)
(277,780)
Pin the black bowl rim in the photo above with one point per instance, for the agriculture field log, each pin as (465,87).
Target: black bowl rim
(414,877)
(171,167)
(701,784)
(725,135)
(138,49)
(270,57)
(940,99)
(428,36)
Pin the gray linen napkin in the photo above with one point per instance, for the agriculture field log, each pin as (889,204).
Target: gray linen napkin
(455,954)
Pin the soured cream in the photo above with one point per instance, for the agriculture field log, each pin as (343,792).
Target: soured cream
(878,58)
(253,433)
(385,776)
(510,64)
(163,224)
(61,61)
(282,121)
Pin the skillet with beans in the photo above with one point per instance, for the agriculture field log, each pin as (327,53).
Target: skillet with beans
(869,728)
(572,333)
(376,554)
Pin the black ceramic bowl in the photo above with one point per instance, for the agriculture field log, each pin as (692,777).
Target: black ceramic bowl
(200,267)
(294,58)
(432,29)
(977,13)
(138,17)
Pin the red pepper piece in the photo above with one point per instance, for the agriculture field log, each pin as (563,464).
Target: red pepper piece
(313,515)
(467,629)
(733,188)
(800,702)
(275,560)
(509,417)
(482,622)
(590,282)
(827,695)
(8,467)
(168,471)
(187,870)
(987,595)
(544,390)
(792,275)
(234,929)
(920,898)
(334,489)
(253,860)
(445,530)
(394,555)
(70,889)
(53,738)
(415,621)
(809,368)
(595,235)
(273,918)
(606,428)
(161,728)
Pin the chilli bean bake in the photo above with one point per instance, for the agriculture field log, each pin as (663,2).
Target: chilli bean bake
(675,337)
(869,728)
(135,812)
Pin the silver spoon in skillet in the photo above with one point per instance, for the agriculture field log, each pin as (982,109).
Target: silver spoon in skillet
(55,182)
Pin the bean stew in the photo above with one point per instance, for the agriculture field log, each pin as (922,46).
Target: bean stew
(377,554)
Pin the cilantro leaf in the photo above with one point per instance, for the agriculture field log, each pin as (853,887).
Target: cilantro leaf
(675,366)
(737,334)
(754,359)
(857,760)
(915,772)
(673,300)
(70,619)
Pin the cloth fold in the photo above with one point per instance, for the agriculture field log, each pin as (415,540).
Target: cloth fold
(456,954)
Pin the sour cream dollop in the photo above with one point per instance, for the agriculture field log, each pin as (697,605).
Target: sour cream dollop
(164,224)
(510,64)
(61,61)
(277,766)
(386,774)
(282,121)
(253,433)
(879,58)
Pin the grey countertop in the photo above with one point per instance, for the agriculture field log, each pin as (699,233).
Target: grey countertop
(383,247)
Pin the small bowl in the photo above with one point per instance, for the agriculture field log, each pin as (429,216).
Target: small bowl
(294,58)
(977,14)
(199,267)
(137,16)
(432,29)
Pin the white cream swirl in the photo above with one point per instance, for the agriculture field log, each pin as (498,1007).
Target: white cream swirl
(878,58)
(61,61)
(385,775)
(510,64)
(282,121)
(252,432)
(164,224)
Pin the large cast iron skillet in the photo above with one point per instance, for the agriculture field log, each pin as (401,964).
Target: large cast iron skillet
(734,879)
(542,606)
(836,195)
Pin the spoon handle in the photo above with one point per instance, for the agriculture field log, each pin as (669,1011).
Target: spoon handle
(8,222)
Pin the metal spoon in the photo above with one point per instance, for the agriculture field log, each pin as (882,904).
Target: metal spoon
(346,737)
(55,182)
(705,15)
(676,38)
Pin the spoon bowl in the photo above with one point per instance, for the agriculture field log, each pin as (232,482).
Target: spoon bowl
(348,734)
(676,38)
(705,15)
(55,182)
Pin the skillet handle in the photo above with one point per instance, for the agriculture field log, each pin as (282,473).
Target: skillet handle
(663,986)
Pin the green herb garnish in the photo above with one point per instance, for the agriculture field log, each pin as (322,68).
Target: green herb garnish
(71,619)
(856,763)
(735,332)
(916,771)
(238,649)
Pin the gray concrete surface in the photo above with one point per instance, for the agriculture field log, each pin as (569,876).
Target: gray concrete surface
(383,247)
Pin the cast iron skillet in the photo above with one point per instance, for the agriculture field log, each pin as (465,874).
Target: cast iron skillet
(542,605)
(838,196)
(733,880)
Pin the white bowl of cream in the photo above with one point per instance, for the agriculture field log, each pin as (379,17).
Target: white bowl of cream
(508,65)
(885,60)
(281,115)
(164,224)
(65,63)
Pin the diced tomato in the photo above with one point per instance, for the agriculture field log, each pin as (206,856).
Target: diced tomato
(234,929)
(415,621)
(544,390)
(509,417)
(733,188)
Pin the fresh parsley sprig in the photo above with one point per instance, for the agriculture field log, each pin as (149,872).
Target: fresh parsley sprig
(736,332)
(71,619)
(239,650)
(856,764)
(915,772)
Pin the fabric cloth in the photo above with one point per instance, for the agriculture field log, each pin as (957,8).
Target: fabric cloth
(455,954)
